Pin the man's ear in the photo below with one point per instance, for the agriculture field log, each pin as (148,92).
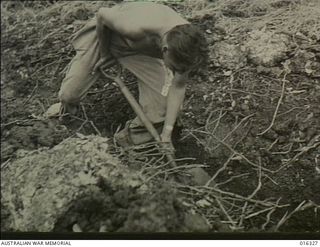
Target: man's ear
(164,49)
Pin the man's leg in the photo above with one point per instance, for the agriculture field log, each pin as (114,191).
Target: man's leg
(152,77)
(78,78)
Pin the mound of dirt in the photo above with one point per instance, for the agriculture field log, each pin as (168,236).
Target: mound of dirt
(80,182)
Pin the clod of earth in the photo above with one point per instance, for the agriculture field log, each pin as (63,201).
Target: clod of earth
(227,55)
(266,47)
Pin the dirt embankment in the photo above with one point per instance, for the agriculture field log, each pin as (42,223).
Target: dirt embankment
(252,120)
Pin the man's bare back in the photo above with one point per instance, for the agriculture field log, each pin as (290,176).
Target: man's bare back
(143,25)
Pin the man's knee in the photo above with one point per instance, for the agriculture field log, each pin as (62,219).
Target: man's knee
(69,97)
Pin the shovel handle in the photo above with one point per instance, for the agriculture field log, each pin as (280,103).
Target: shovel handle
(137,108)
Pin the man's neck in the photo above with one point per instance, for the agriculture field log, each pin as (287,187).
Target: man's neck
(165,30)
(163,39)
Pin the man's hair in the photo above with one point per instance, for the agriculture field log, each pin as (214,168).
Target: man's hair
(188,46)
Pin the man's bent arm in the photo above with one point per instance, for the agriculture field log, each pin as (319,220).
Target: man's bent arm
(103,33)
(174,101)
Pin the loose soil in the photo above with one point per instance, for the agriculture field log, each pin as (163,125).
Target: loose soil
(217,101)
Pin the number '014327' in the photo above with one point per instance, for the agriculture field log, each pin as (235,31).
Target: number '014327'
(309,243)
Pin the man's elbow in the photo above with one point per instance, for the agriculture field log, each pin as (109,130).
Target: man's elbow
(102,15)
(179,88)
(179,83)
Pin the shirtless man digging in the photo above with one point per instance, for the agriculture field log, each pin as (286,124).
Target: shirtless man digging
(153,42)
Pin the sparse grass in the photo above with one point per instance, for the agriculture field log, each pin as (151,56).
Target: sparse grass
(239,16)
(40,35)
(64,12)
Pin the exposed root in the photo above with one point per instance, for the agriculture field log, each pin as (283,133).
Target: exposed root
(251,196)
(235,152)
(32,93)
(5,164)
(235,128)
(231,179)
(285,152)
(173,170)
(231,221)
(277,108)
(303,151)
(18,121)
(287,216)
(88,121)
(268,218)
(220,170)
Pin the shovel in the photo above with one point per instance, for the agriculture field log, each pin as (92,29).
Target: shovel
(136,108)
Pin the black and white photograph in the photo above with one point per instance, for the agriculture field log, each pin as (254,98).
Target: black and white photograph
(184,117)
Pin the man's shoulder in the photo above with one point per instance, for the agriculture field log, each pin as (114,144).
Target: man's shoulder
(139,6)
(135,19)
